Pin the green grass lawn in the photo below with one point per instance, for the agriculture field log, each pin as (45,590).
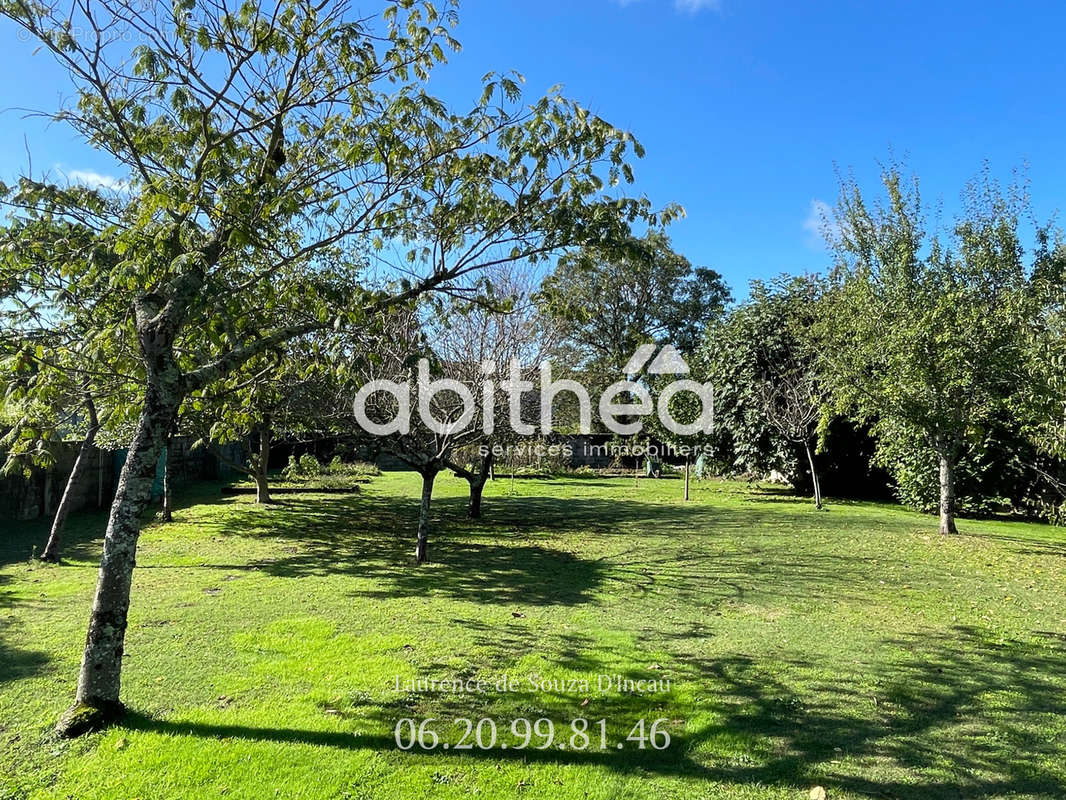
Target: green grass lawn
(853,648)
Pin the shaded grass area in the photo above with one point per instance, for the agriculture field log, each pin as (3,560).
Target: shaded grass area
(269,648)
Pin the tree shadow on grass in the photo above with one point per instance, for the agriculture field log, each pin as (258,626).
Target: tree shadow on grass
(957,716)
(938,714)
(630,760)
(84,532)
(15,662)
(960,716)
(494,575)
(351,536)
(524,553)
(22,540)
(1029,545)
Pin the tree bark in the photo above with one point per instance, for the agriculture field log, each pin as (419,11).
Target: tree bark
(262,466)
(158,322)
(81,463)
(814,476)
(46,499)
(477,486)
(429,475)
(947,494)
(97,700)
(167,514)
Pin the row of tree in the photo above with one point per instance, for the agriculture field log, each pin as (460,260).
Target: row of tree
(289,174)
(929,360)
(302,217)
(945,346)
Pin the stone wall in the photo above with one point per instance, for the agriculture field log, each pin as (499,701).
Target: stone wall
(24,498)
(28,497)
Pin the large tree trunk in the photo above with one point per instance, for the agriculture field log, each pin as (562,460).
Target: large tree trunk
(97,700)
(262,466)
(814,477)
(947,494)
(429,475)
(477,486)
(81,463)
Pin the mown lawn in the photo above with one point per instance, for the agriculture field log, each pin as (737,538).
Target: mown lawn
(854,648)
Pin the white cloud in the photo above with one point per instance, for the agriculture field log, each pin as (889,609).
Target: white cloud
(820,223)
(695,6)
(95,180)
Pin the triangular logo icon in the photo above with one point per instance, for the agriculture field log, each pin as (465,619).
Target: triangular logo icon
(639,359)
(668,362)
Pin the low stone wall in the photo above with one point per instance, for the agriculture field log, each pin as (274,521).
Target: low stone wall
(28,497)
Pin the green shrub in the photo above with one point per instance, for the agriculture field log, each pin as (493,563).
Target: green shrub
(308,467)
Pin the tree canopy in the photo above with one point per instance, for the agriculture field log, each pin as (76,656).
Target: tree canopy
(925,333)
(610,300)
(266,144)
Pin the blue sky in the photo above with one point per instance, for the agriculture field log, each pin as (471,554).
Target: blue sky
(745,106)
